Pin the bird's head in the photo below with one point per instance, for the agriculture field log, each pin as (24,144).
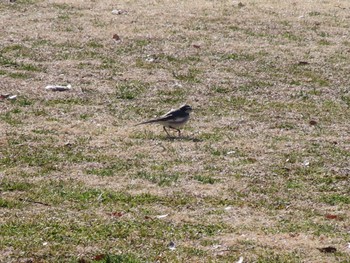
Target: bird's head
(186,108)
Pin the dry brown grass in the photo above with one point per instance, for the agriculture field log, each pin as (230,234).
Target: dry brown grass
(251,177)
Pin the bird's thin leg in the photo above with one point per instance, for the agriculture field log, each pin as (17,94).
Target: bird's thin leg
(178,130)
(166,131)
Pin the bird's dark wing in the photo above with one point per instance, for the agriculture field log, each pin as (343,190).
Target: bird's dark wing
(165,118)
(169,113)
(175,116)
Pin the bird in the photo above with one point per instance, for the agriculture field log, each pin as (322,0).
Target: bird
(174,119)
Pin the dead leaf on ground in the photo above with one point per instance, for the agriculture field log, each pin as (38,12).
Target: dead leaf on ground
(313,122)
(4,96)
(8,96)
(116,37)
(330,216)
(327,249)
(99,257)
(115,214)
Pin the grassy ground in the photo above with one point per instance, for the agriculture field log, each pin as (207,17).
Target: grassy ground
(261,172)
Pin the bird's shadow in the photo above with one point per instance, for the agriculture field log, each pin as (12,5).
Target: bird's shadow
(182,138)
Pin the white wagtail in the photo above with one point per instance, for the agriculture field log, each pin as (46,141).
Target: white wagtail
(174,119)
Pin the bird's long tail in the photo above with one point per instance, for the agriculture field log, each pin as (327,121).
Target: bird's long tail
(146,122)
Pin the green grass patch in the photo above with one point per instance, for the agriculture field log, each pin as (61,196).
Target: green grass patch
(172,96)
(238,57)
(10,63)
(9,204)
(205,179)
(12,117)
(9,185)
(162,178)
(130,90)
(124,258)
(336,199)
(113,169)
(19,75)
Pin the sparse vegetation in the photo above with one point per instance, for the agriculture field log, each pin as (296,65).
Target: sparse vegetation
(262,169)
